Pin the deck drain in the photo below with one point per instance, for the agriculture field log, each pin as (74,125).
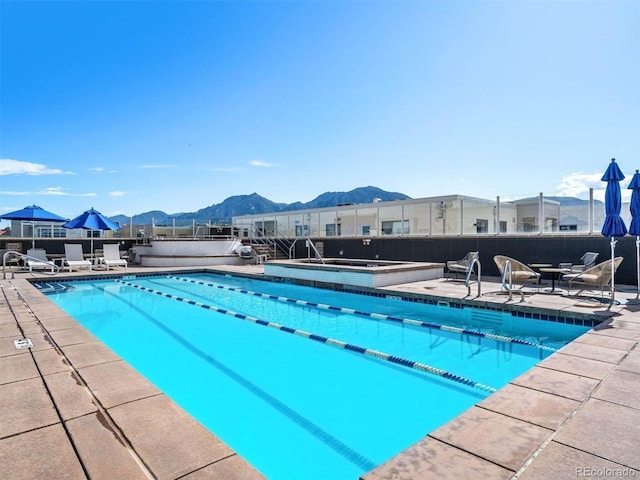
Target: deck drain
(23,343)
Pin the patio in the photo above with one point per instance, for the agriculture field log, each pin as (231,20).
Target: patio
(70,407)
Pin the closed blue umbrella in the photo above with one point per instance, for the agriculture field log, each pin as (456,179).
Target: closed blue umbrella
(634,228)
(33,213)
(613,224)
(92,220)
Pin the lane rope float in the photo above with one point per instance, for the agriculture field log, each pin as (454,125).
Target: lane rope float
(377,316)
(322,339)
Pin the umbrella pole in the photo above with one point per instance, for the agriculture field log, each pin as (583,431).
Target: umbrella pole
(638,265)
(613,282)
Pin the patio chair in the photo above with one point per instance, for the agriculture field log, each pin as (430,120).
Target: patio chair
(37,259)
(598,276)
(463,265)
(74,257)
(588,261)
(111,256)
(520,273)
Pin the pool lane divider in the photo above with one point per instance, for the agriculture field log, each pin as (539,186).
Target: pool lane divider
(322,339)
(377,316)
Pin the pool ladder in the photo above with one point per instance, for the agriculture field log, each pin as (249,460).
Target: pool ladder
(475,261)
(509,288)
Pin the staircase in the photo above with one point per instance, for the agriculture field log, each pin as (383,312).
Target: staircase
(269,250)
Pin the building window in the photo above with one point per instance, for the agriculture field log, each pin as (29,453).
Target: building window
(330,230)
(503,226)
(529,224)
(395,227)
(58,232)
(302,230)
(482,225)
(366,230)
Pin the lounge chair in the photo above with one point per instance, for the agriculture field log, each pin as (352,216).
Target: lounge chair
(463,265)
(111,256)
(588,261)
(37,259)
(520,273)
(74,258)
(598,276)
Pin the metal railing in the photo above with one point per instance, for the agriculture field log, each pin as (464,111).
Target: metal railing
(475,261)
(310,246)
(21,256)
(509,288)
(276,241)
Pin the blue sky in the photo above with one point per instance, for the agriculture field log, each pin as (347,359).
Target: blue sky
(174,106)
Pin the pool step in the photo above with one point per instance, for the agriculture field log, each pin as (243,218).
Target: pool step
(486,317)
(49,287)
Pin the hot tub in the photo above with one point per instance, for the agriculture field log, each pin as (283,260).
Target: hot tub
(363,273)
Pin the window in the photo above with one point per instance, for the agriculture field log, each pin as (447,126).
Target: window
(302,230)
(366,230)
(395,227)
(482,225)
(529,224)
(57,232)
(503,226)
(330,230)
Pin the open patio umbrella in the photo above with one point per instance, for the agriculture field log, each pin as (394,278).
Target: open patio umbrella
(33,213)
(634,228)
(613,224)
(92,220)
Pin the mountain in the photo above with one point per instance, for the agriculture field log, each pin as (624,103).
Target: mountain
(255,204)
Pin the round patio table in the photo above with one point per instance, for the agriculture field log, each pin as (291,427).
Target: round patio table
(540,265)
(555,274)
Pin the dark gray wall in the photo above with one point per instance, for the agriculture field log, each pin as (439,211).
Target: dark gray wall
(527,249)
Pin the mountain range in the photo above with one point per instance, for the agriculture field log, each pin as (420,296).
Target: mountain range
(252,204)
(222,213)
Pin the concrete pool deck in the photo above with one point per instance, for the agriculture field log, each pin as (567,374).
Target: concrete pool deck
(70,408)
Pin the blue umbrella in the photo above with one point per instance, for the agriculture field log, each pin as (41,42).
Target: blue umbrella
(92,220)
(613,224)
(33,213)
(634,228)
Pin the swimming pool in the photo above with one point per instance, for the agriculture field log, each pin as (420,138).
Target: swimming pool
(301,405)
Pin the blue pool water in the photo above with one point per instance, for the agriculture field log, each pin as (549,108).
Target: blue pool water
(296,407)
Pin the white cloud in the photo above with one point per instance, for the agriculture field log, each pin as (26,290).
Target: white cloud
(50,191)
(578,184)
(260,163)
(17,167)
(98,170)
(116,194)
(226,169)
(152,166)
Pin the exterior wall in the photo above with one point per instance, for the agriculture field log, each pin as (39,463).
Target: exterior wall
(446,215)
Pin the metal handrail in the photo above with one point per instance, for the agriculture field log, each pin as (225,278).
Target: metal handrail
(23,256)
(310,243)
(277,241)
(291,249)
(509,288)
(475,261)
